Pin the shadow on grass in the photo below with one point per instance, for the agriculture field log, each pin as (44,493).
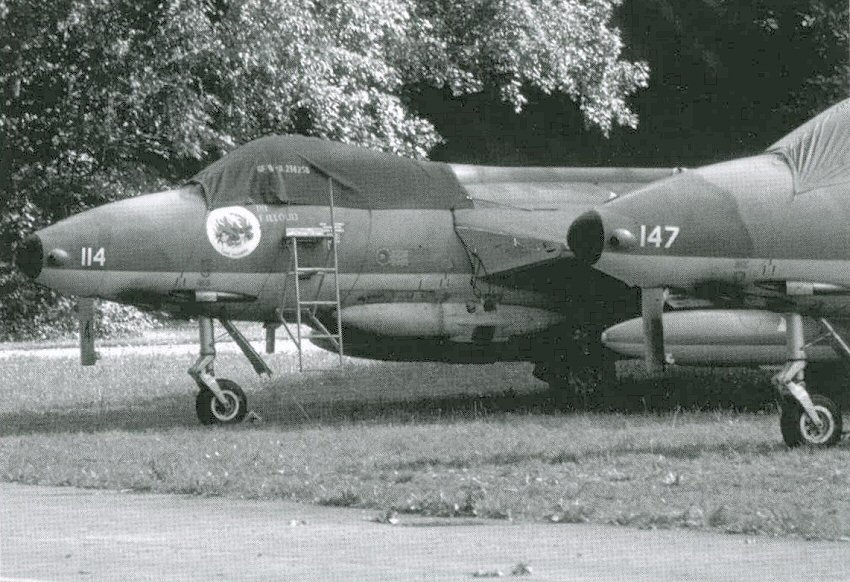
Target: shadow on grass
(161,413)
(332,399)
(276,409)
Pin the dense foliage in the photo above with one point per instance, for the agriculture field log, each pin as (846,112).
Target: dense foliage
(728,77)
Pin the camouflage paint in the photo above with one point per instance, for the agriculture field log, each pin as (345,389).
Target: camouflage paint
(737,222)
(778,216)
(421,234)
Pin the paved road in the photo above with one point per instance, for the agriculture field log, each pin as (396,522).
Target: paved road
(49,533)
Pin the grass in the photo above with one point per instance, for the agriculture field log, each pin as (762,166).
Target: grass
(428,439)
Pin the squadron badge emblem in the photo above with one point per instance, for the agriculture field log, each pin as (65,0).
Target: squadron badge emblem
(233,231)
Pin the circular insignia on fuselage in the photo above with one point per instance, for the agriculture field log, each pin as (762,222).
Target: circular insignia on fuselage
(383,257)
(233,231)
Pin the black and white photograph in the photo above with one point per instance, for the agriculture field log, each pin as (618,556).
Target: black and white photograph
(393,290)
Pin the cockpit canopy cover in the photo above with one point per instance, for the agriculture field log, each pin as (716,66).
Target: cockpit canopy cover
(292,169)
(818,151)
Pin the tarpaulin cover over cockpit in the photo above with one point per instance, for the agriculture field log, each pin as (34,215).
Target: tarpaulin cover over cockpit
(818,151)
(293,169)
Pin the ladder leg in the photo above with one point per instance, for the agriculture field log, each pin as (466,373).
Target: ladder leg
(297,304)
(336,273)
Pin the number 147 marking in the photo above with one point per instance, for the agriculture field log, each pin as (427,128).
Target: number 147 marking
(656,235)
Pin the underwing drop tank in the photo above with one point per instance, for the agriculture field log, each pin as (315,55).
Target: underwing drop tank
(457,322)
(718,338)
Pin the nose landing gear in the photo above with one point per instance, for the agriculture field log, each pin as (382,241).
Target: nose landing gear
(221,401)
(212,411)
(807,419)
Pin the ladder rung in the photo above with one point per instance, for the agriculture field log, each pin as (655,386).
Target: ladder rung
(319,302)
(308,232)
(312,239)
(315,269)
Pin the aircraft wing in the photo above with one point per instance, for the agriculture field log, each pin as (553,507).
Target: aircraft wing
(504,240)
(520,216)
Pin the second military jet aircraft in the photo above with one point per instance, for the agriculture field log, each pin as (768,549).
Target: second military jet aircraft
(768,231)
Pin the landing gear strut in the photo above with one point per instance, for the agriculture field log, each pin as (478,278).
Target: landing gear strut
(221,401)
(812,420)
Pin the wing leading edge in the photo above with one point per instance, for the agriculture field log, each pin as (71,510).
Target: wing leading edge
(521,215)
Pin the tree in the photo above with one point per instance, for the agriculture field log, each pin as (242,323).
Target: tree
(105,99)
(826,26)
(98,98)
(343,70)
(728,78)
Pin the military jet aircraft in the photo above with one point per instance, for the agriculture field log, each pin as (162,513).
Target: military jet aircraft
(768,232)
(383,257)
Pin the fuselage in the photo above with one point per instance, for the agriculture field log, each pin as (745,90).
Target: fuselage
(738,222)
(220,244)
(768,230)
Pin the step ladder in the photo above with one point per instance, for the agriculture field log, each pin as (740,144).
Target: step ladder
(305,309)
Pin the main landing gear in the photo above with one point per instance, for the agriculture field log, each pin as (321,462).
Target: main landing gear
(221,401)
(807,419)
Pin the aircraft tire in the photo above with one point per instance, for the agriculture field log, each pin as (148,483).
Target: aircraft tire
(798,430)
(211,411)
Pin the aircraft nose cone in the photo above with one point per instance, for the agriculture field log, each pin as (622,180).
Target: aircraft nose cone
(30,256)
(586,237)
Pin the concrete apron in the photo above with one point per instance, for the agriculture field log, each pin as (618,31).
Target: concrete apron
(52,533)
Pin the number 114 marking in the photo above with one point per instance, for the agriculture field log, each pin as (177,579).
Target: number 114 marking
(88,256)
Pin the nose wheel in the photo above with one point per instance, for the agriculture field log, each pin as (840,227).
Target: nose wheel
(212,411)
